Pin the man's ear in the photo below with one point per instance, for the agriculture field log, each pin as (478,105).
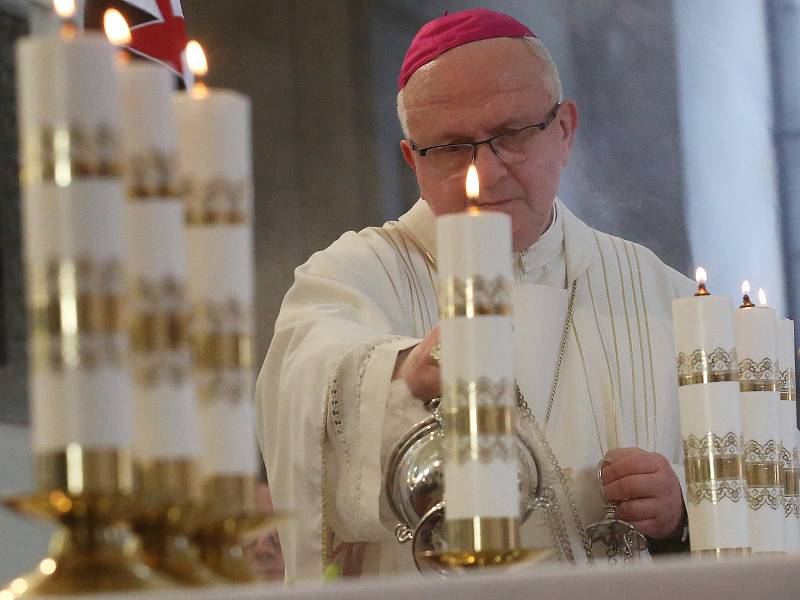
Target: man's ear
(568,123)
(408,154)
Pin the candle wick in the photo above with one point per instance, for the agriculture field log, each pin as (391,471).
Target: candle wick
(746,303)
(701,290)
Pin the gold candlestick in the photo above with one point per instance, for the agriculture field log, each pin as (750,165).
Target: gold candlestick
(94,549)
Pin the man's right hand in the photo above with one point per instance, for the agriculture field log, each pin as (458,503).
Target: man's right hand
(419,370)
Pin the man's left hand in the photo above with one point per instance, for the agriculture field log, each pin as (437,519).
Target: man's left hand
(645,490)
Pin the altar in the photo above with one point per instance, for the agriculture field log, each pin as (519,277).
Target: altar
(762,577)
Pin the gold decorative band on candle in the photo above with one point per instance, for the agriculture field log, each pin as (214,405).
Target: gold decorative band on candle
(791,507)
(76,313)
(712,444)
(218,201)
(462,448)
(159,331)
(700,366)
(153,175)
(229,495)
(483,392)
(482,534)
(758,452)
(787,385)
(474,297)
(165,479)
(723,553)
(479,420)
(771,497)
(220,335)
(714,468)
(791,482)
(758,373)
(215,350)
(715,491)
(60,154)
(80,470)
(758,385)
(763,474)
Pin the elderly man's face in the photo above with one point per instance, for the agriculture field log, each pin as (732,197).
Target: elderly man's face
(477,91)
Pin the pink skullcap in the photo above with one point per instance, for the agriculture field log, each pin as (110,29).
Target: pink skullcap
(450,31)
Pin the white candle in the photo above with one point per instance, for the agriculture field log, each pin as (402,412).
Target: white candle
(480,469)
(165,400)
(789,433)
(757,351)
(216,164)
(73,218)
(711,422)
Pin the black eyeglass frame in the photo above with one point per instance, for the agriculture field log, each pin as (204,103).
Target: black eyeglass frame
(540,126)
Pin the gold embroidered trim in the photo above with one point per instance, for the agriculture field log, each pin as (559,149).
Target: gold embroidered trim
(218,201)
(713,444)
(761,372)
(702,367)
(462,448)
(152,174)
(715,491)
(59,155)
(755,451)
(483,392)
(767,496)
(787,384)
(788,458)
(474,296)
(791,509)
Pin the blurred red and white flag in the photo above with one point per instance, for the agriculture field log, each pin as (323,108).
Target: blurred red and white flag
(158,29)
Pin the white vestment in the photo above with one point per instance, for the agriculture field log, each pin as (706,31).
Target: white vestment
(328,414)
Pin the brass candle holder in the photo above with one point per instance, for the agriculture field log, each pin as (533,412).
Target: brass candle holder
(228,519)
(87,492)
(165,519)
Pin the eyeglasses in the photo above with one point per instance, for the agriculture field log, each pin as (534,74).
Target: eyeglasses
(511,147)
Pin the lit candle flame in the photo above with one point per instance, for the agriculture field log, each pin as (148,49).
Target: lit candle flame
(196,59)
(198,65)
(700,275)
(65,9)
(117,30)
(473,185)
(762,297)
(745,288)
(701,278)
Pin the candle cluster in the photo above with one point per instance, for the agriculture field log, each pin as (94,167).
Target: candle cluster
(137,207)
(736,391)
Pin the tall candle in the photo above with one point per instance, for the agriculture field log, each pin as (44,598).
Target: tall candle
(216,165)
(73,230)
(789,433)
(711,423)
(480,470)
(757,351)
(166,419)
